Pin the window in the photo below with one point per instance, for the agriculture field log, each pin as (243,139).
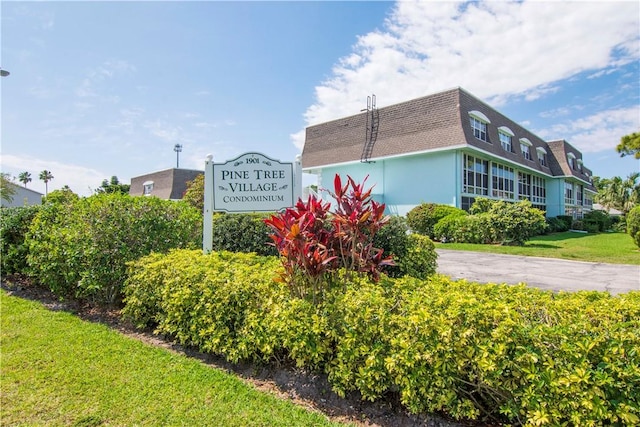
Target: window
(502,180)
(467,202)
(475,179)
(571,158)
(524,186)
(505,141)
(568,193)
(147,188)
(479,129)
(579,193)
(505,134)
(588,201)
(542,156)
(525,148)
(538,191)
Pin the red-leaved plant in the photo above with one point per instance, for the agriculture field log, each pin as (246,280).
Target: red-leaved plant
(315,243)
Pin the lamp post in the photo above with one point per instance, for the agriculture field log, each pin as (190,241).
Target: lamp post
(4,73)
(177,148)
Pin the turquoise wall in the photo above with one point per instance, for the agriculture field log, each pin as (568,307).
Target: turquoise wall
(404,182)
(555,197)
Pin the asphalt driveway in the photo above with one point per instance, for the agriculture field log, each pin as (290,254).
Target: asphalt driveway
(545,273)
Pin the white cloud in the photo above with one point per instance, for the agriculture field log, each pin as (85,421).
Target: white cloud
(163,130)
(80,179)
(98,75)
(496,50)
(597,132)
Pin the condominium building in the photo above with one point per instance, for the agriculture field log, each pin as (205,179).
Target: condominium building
(168,184)
(448,148)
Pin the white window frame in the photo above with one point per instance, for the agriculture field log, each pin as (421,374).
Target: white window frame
(479,124)
(147,188)
(571,158)
(505,141)
(526,152)
(542,156)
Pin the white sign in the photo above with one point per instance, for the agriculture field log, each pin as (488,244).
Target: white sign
(252,183)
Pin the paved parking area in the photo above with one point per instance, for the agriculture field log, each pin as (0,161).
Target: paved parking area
(545,273)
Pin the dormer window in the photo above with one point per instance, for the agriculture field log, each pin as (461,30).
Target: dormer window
(542,156)
(505,134)
(579,161)
(147,188)
(479,123)
(571,158)
(525,148)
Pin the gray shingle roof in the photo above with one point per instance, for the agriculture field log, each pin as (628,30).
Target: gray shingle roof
(167,184)
(422,124)
(438,121)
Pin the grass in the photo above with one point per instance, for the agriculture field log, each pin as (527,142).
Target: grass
(614,248)
(59,370)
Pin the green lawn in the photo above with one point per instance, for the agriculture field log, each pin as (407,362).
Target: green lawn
(59,370)
(615,248)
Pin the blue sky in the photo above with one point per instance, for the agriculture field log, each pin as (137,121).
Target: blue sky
(108,88)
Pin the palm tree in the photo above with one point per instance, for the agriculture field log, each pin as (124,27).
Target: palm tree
(46,176)
(24,177)
(620,194)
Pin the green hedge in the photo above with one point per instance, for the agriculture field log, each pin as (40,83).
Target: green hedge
(14,224)
(414,254)
(633,224)
(509,354)
(493,221)
(423,218)
(242,233)
(80,247)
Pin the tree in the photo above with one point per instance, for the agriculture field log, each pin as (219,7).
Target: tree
(113,186)
(629,145)
(25,178)
(619,194)
(46,176)
(194,194)
(7,188)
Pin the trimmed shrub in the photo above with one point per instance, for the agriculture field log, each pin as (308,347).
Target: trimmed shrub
(509,354)
(578,225)
(517,354)
(618,224)
(478,228)
(423,218)
(567,219)
(14,224)
(515,223)
(242,232)
(633,224)
(420,259)
(80,248)
(598,221)
(448,228)
(393,239)
(556,225)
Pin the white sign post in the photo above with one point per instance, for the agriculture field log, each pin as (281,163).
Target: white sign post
(251,182)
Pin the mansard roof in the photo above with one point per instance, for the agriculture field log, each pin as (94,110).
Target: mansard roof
(562,151)
(434,122)
(422,124)
(168,184)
